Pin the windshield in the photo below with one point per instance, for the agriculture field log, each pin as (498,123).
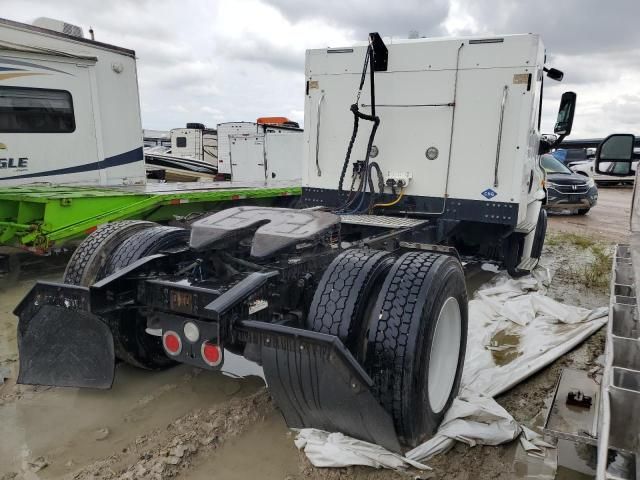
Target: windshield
(551,165)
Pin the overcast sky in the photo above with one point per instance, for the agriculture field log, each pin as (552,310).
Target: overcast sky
(225,60)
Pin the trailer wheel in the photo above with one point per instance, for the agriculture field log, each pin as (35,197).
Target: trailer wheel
(417,340)
(88,261)
(346,291)
(541,232)
(132,344)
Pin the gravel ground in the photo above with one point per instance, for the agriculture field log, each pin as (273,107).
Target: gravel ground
(186,423)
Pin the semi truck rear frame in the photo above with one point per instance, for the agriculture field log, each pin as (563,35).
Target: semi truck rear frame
(355,302)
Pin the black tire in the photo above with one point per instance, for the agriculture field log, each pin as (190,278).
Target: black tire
(401,338)
(86,265)
(512,249)
(132,344)
(583,211)
(539,236)
(347,289)
(145,243)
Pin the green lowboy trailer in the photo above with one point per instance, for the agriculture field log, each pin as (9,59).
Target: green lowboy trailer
(43,218)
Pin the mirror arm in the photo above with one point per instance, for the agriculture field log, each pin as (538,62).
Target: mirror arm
(558,141)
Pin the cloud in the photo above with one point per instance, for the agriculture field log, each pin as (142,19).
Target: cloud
(364,16)
(226,60)
(571,26)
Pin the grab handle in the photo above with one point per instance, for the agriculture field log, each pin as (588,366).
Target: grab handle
(505,92)
(320,102)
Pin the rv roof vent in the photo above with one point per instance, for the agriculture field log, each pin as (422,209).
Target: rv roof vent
(197,126)
(59,26)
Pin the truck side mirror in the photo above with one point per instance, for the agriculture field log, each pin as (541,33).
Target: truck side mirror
(615,155)
(554,74)
(564,121)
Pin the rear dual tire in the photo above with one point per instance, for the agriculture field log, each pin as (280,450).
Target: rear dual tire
(110,248)
(405,321)
(417,341)
(131,341)
(88,262)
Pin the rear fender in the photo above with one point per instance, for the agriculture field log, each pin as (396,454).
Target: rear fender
(317,383)
(60,342)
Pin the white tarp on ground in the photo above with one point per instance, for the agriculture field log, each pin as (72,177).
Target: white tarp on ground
(514,331)
(326,449)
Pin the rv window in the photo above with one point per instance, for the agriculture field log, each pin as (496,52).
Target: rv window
(35,110)
(181,142)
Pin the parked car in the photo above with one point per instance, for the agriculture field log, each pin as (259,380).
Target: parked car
(586,169)
(567,190)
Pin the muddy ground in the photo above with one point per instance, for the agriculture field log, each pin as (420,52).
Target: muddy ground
(188,423)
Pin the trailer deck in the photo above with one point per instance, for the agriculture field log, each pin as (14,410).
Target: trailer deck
(39,218)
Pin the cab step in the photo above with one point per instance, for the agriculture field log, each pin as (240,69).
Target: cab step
(384,221)
(528,264)
(525,227)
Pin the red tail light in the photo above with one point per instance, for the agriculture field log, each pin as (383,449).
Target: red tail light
(172,343)
(211,354)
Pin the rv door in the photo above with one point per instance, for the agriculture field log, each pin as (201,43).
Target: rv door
(47,126)
(284,153)
(247,158)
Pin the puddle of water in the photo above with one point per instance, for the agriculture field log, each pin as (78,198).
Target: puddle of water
(504,346)
(265,451)
(475,277)
(576,461)
(528,467)
(66,425)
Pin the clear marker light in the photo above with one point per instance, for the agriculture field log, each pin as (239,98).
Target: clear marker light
(191,332)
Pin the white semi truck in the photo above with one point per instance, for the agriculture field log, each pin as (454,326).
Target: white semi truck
(456,143)
(354,302)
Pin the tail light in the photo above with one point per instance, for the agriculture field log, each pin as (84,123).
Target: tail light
(172,342)
(211,354)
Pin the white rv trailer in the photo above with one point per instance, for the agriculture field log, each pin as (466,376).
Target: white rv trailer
(229,130)
(272,155)
(225,130)
(69,108)
(196,142)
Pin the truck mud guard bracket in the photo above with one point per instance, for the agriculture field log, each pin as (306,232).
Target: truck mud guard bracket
(317,383)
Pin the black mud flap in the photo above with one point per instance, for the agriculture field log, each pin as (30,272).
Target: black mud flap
(317,383)
(60,342)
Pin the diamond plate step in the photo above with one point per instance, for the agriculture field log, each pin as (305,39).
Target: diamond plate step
(383,221)
(525,227)
(528,264)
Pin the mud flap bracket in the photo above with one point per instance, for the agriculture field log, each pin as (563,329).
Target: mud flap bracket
(317,383)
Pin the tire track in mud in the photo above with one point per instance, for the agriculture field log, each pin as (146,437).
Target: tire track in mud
(165,453)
